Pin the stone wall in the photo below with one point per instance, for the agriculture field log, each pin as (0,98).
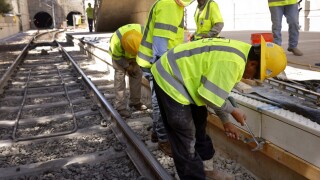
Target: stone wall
(61,9)
(16,21)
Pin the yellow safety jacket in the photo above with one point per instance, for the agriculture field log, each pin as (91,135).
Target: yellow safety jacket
(115,49)
(281,2)
(89,12)
(207,68)
(166,19)
(207,18)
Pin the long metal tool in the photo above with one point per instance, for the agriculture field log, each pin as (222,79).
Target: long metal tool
(259,141)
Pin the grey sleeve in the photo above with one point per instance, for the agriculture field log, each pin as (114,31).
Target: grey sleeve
(216,29)
(223,111)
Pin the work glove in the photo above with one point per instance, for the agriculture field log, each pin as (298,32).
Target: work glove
(133,69)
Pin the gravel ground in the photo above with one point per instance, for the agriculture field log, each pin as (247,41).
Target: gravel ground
(85,143)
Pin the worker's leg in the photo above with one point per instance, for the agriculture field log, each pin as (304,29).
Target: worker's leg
(135,87)
(135,90)
(90,24)
(158,126)
(119,86)
(203,144)
(181,134)
(292,14)
(276,19)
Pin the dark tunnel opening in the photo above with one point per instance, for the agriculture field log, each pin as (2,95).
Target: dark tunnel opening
(70,17)
(42,20)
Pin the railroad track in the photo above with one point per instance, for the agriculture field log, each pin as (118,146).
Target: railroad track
(57,119)
(55,123)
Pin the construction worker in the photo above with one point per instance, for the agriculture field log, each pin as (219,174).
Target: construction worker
(164,29)
(193,75)
(208,20)
(124,45)
(289,9)
(89,12)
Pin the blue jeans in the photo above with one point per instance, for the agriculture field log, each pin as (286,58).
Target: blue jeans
(157,125)
(186,129)
(292,15)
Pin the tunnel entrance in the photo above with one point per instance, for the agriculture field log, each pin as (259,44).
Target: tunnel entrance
(42,20)
(70,17)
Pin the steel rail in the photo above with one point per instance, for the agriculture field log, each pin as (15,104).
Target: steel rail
(144,161)
(7,75)
(296,90)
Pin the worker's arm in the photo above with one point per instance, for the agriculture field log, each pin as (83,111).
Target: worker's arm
(160,46)
(223,113)
(227,108)
(216,20)
(216,29)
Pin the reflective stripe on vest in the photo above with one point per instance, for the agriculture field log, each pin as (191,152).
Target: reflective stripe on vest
(196,13)
(214,88)
(206,19)
(173,82)
(145,51)
(176,79)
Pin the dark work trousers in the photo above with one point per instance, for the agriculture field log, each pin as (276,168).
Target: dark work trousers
(90,22)
(185,125)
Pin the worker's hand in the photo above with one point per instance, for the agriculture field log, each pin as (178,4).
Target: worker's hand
(204,36)
(231,131)
(133,69)
(191,37)
(239,115)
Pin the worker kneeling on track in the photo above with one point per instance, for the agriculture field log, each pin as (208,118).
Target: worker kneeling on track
(124,45)
(193,75)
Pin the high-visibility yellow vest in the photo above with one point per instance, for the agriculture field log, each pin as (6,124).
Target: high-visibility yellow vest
(209,16)
(89,12)
(166,19)
(281,2)
(207,68)
(115,48)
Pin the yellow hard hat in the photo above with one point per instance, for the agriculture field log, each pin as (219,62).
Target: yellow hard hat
(131,41)
(273,59)
(184,3)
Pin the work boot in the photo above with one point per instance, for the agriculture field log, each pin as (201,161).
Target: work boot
(295,51)
(138,107)
(124,113)
(218,175)
(165,147)
(154,137)
(214,174)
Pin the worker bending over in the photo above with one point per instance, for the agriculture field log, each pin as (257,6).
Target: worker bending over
(193,75)
(164,30)
(208,20)
(124,45)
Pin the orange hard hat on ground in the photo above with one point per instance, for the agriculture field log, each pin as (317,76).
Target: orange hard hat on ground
(273,60)
(131,41)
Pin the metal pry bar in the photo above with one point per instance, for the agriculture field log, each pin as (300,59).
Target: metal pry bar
(259,142)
